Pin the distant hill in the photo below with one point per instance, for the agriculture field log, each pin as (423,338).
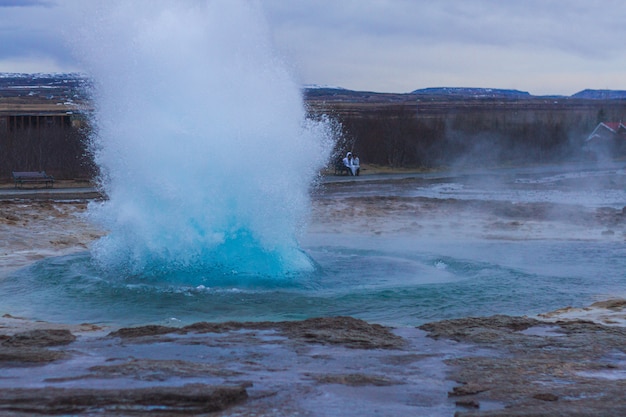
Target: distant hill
(471,92)
(601,94)
(313,91)
(452,93)
(74,86)
(337,94)
(445,94)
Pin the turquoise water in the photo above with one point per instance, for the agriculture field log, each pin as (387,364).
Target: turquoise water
(390,287)
(403,278)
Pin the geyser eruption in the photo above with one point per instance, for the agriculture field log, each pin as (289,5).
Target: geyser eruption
(202,138)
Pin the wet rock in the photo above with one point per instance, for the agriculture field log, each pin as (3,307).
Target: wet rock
(29,355)
(614,304)
(564,371)
(151,370)
(494,322)
(142,331)
(159,369)
(586,328)
(40,338)
(228,326)
(345,331)
(467,389)
(191,399)
(355,380)
(467,403)
(30,347)
(546,396)
(481,329)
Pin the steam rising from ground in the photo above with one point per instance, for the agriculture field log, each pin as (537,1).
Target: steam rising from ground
(206,154)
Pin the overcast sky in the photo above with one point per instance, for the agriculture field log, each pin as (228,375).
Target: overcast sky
(539,46)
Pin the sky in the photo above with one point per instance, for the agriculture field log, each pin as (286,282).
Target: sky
(543,47)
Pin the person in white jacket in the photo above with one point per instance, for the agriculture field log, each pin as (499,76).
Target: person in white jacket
(347,162)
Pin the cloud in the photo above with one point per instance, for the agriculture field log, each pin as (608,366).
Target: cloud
(393,45)
(400,45)
(578,25)
(32,32)
(35,64)
(25,3)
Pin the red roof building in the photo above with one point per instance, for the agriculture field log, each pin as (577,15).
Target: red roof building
(607,131)
(607,139)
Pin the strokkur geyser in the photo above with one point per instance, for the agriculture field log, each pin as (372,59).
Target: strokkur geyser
(201,135)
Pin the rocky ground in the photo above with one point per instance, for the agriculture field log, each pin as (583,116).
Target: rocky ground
(341,366)
(35,229)
(433,217)
(570,362)
(326,366)
(564,368)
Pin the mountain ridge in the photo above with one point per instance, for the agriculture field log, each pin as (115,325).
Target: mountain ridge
(13,82)
(475,92)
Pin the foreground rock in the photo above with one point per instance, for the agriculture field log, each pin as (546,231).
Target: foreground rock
(534,368)
(190,399)
(31,346)
(40,338)
(333,366)
(346,331)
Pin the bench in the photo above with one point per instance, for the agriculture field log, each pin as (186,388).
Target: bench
(34,177)
(340,168)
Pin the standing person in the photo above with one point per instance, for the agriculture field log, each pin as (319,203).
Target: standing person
(347,162)
(356,165)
